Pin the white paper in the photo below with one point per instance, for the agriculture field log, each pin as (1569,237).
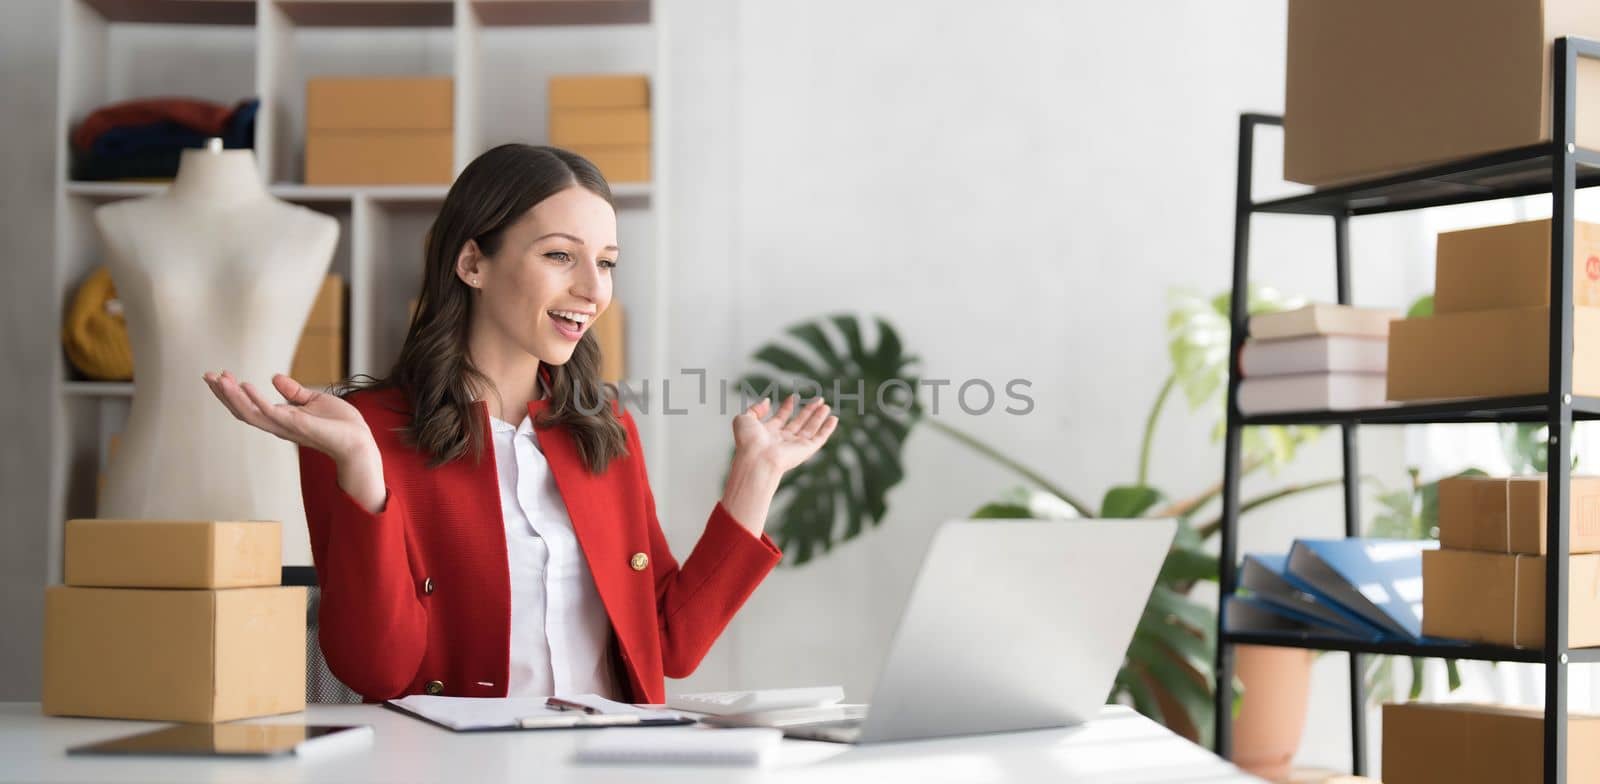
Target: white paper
(476,713)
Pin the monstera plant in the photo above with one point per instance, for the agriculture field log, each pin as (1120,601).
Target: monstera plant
(843,490)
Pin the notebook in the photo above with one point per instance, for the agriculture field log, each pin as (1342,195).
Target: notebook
(468,714)
(1314,354)
(1312,392)
(683,745)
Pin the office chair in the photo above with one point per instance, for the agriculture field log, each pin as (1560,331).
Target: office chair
(321,685)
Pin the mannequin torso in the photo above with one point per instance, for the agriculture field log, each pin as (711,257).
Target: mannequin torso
(213,274)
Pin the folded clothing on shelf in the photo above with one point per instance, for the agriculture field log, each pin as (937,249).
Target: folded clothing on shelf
(144,138)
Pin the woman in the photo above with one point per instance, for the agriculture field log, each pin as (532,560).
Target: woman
(481,520)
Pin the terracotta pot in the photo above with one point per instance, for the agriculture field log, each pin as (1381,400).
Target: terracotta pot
(1272,716)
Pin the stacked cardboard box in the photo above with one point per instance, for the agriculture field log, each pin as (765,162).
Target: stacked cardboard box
(379,131)
(1462,743)
(174,621)
(604,118)
(319,359)
(1486,582)
(1489,332)
(1320,357)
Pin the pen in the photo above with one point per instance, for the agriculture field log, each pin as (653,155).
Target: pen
(561,704)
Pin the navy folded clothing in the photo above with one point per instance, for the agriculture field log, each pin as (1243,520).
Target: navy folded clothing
(152,149)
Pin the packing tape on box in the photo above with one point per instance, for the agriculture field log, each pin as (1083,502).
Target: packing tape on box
(1516,588)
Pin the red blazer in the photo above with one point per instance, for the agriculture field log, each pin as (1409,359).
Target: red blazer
(416,599)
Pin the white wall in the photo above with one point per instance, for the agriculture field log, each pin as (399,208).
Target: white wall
(1015,186)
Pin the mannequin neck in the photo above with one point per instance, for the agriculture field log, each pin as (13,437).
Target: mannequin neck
(221,177)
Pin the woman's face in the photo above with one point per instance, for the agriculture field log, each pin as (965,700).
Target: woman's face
(551,276)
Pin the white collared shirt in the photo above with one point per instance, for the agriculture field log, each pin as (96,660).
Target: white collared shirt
(560,635)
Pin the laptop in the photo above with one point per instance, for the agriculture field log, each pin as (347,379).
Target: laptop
(1011,625)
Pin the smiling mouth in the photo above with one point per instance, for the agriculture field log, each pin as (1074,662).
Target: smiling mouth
(569,319)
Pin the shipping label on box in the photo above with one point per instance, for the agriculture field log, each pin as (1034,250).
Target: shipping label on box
(1487,353)
(1462,743)
(1498,598)
(1507,515)
(164,655)
(600,91)
(1509,267)
(173,553)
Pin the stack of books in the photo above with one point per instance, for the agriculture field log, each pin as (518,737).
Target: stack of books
(1333,590)
(1317,358)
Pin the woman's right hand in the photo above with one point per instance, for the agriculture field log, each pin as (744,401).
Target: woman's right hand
(318,420)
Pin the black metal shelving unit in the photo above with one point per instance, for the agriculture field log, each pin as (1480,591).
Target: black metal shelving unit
(1557,167)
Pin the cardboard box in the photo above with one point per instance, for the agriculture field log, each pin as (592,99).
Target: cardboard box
(379,157)
(608,127)
(1428,743)
(1499,598)
(600,91)
(194,656)
(1507,514)
(1509,267)
(617,164)
(319,358)
(380,104)
(1487,353)
(1377,86)
(173,553)
(609,332)
(379,131)
(327,310)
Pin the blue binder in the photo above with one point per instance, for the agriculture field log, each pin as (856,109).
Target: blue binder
(1266,578)
(1379,580)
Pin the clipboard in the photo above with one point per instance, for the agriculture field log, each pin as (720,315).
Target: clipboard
(501,714)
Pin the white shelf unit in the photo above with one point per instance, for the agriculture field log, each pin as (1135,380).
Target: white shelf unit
(499,54)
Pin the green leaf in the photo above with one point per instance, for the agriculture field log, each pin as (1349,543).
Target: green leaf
(1144,700)
(1126,501)
(1186,565)
(1452,669)
(1002,511)
(1184,685)
(1525,445)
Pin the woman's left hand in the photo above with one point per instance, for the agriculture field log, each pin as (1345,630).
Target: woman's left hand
(785,440)
(766,448)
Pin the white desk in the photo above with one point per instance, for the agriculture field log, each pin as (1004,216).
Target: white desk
(1121,746)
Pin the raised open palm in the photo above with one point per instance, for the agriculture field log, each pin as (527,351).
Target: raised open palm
(781,441)
(324,422)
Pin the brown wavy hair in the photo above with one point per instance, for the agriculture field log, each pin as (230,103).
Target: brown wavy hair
(435,370)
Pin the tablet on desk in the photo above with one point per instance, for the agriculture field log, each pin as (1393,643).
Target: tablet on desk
(235,740)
